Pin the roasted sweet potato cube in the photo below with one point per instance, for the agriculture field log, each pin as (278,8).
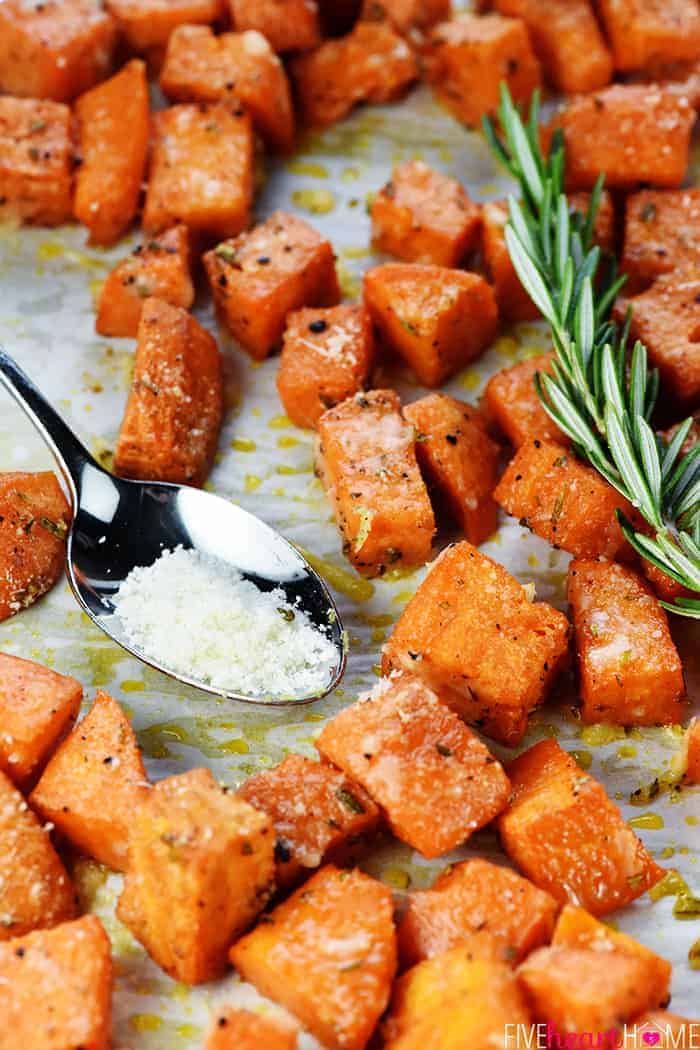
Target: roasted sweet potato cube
(34,522)
(261,276)
(475,897)
(459,461)
(201,67)
(514,304)
(173,416)
(147,24)
(435,318)
(201,169)
(159,268)
(327,356)
(691,745)
(328,954)
(472,633)
(201,864)
(470,56)
(94,783)
(565,834)
(511,402)
(370,64)
(289,25)
(424,216)
(434,779)
(409,17)
(55,49)
(662,229)
(244,1030)
(644,34)
(365,457)
(36,161)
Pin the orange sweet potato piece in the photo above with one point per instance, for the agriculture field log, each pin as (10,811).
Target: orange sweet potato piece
(472,633)
(458,459)
(646,33)
(318,814)
(261,276)
(243,1030)
(365,457)
(434,779)
(56,988)
(327,356)
(692,752)
(147,24)
(201,169)
(512,403)
(474,897)
(37,706)
(173,416)
(410,17)
(201,67)
(328,954)
(34,521)
(662,228)
(36,161)
(200,869)
(160,268)
(566,835)
(514,304)
(421,215)
(94,782)
(289,25)
(435,318)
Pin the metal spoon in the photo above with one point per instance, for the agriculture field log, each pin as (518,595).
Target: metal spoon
(120,524)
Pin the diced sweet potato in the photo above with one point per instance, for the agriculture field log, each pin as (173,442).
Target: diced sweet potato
(173,416)
(472,633)
(662,229)
(147,24)
(34,522)
(424,216)
(35,889)
(201,67)
(459,461)
(37,706)
(434,779)
(56,988)
(327,356)
(200,869)
(261,276)
(514,304)
(318,814)
(365,457)
(36,161)
(289,25)
(114,127)
(470,56)
(370,64)
(409,17)
(201,169)
(55,49)
(566,835)
(158,268)
(512,403)
(328,954)
(674,1032)
(94,783)
(243,1030)
(435,318)
(473,897)
(691,746)
(645,33)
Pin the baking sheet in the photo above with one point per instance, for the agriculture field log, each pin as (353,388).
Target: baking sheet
(47,283)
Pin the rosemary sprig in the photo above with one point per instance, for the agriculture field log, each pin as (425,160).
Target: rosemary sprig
(601,393)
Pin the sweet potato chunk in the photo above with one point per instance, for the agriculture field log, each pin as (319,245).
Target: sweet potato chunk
(691,746)
(328,954)
(566,835)
(470,56)
(114,127)
(424,216)
(327,356)
(459,461)
(366,459)
(173,416)
(473,897)
(514,304)
(94,783)
(34,522)
(147,24)
(289,25)
(434,779)
(56,988)
(35,161)
(662,230)
(55,49)
(409,17)
(317,813)
(200,868)
(370,64)
(512,403)
(645,34)
(201,67)
(201,170)
(243,1030)
(261,276)
(473,635)
(435,318)
(37,706)
(158,268)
